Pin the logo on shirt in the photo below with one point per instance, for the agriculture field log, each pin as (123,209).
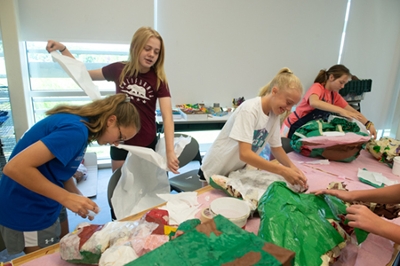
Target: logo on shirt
(137,89)
(259,137)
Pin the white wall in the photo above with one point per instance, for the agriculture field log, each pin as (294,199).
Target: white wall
(372,51)
(217,50)
(84,20)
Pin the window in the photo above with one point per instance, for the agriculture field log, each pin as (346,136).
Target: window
(6,122)
(50,84)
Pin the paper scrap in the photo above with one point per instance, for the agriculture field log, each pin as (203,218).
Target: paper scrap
(374,179)
(181,207)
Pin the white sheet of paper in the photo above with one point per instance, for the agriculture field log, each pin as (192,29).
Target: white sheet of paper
(375,178)
(333,133)
(78,72)
(180,207)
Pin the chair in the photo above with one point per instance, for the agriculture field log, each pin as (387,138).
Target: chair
(110,189)
(188,181)
(2,245)
(286,145)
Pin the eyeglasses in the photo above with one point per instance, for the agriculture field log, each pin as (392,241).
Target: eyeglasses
(121,139)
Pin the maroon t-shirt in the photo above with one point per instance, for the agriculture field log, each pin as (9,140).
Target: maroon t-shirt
(144,94)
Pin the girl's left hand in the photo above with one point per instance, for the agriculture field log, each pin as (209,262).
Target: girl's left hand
(360,216)
(172,162)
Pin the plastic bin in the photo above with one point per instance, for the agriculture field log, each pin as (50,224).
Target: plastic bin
(356,87)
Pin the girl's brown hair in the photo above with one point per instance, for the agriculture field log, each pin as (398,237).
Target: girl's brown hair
(99,111)
(337,71)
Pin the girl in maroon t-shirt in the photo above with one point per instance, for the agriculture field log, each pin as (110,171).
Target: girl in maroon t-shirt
(143,80)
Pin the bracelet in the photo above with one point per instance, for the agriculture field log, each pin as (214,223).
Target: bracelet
(366,123)
(65,47)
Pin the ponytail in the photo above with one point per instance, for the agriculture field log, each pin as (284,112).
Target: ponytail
(284,79)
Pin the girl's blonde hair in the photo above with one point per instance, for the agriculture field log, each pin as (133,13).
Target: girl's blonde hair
(132,67)
(285,79)
(99,111)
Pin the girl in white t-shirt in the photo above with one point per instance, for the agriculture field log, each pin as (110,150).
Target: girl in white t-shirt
(254,124)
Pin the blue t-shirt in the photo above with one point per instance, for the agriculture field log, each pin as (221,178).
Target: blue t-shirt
(66,137)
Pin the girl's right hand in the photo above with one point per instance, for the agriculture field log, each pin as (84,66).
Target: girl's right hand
(295,177)
(81,205)
(54,46)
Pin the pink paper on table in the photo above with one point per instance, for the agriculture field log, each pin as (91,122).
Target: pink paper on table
(375,250)
(329,141)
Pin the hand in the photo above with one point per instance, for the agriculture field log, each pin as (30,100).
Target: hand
(54,46)
(344,195)
(372,131)
(295,177)
(172,162)
(349,114)
(361,217)
(81,205)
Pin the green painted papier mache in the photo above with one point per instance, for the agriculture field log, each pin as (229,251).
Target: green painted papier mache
(298,222)
(336,152)
(216,242)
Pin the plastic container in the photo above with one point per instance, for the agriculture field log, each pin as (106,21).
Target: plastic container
(356,87)
(236,210)
(396,166)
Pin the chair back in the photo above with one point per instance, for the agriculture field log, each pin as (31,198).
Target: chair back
(187,181)
(190,151)
(2,245)
(112,184)
(286,145)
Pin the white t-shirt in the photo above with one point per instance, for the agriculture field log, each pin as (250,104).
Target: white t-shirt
(249,124)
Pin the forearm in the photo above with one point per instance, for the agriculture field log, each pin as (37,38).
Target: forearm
(321,105)
(168,122)
(390,194)
(169,133)
(257,161)
(362,119)
(66,52)
(388,230)
(281,156)
(70,186)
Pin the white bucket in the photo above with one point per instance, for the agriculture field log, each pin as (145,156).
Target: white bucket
(396,165)
(235,210)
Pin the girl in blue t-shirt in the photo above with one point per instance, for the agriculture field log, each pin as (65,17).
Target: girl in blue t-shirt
(37,181)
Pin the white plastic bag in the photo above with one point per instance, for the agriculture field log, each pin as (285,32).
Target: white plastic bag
(78,72)
(143,176)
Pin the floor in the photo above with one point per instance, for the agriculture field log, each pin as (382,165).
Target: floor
(104,215)
(101,200)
